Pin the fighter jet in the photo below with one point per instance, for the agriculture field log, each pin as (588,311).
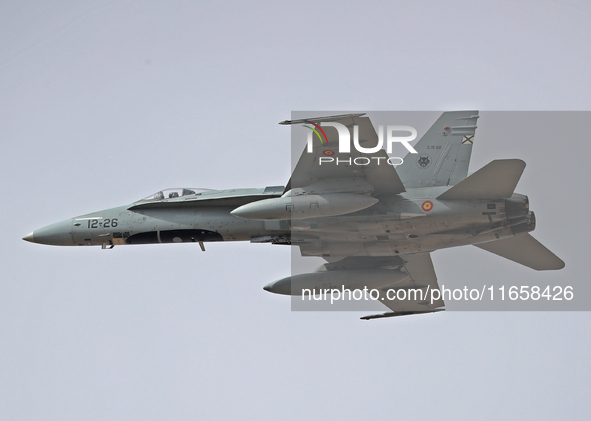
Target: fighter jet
(375,223)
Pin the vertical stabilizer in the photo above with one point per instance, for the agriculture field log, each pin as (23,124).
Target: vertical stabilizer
(443,152)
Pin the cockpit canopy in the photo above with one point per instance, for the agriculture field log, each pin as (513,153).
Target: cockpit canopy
(174,193)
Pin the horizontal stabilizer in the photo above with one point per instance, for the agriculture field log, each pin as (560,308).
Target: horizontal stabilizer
(496,180)
(525,250)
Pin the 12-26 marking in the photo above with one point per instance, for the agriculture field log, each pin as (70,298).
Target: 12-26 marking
(107,223)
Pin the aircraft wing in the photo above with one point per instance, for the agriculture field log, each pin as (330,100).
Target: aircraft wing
(421,277)
(377,172)
(405,282)
(386,270)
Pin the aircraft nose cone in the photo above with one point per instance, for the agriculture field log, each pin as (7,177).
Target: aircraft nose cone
(29,238)
(58,234)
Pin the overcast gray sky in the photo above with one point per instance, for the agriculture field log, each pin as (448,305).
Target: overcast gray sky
(103,103)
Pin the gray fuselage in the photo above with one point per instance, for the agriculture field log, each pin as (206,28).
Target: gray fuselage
(405,223)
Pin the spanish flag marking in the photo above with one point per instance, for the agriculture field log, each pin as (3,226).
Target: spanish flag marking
(427,206)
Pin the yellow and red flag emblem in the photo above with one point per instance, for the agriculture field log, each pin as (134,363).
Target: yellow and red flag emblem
(427,206)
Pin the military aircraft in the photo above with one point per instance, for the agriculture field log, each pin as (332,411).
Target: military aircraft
(373,223)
